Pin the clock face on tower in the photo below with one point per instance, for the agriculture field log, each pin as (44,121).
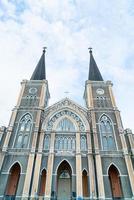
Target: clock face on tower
(100,91)
(32,90)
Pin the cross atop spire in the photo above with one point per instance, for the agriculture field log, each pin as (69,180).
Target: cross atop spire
(90,49)
(44,49)
(40,72)
(94,73)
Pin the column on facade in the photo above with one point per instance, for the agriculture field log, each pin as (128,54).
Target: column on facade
(73,184)
(128,162)
(54,184)
(43,96)
(125,150)
(1,159)
(50,168)
(36,174)
(131,141)
(23,83)
(98,162)
(5,146)
(119,122)
(112,95)
(1,153)
(91,167)
(13,117)
(10,127)
(89,96)
(9,131)
(28,176)
(100,181)
(79,191)
(7,138)
(31,158)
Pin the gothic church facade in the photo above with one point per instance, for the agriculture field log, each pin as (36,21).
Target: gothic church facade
(66,151)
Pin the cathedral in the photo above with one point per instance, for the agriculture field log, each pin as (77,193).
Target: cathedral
(66,151)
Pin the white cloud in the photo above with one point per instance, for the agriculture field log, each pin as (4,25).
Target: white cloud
(67,28)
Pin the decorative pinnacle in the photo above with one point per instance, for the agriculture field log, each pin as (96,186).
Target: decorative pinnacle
(90,49)
(44,49)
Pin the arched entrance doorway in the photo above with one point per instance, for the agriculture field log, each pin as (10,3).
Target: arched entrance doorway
(85,183)
(13,180)
(64,181)
(42,183)
(115,182)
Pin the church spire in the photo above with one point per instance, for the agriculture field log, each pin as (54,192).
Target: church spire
(94,73)
(40,72)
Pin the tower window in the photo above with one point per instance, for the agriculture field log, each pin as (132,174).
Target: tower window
(107,133)
(31,100)
(98,101)
(24,129)
(101,101)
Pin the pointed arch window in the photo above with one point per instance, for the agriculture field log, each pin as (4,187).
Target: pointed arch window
(19,141)
(101,101)
(65,125)
(28,125)
(24,130)
(69,143)
(60,143)
(105,143)
(107,133)
(25,141)
(56,143)
(83,143)
(73,143)
(64,143)
(47,142)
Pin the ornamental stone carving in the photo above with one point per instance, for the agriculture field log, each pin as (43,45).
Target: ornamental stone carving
(66,113)
(66,103)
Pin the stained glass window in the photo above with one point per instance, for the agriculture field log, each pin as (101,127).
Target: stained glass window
(107,133)
(23,133)
(65,143)
(69,143)
(83,143)
(47,142)
(65,125)
(64,174)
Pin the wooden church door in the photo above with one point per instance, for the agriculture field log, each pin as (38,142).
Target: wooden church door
(13,180)
(115,182)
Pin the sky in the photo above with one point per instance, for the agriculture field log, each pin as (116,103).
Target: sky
(67,28)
